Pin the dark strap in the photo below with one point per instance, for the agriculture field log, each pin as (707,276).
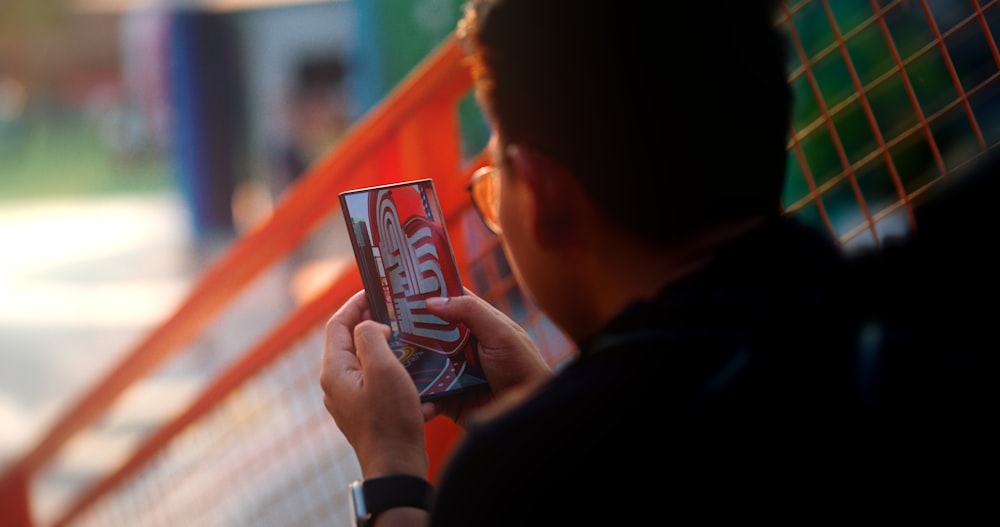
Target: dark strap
(398,490)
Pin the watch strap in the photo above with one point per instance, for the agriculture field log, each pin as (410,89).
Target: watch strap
(397,490)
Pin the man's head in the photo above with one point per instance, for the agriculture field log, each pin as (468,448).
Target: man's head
(672,119)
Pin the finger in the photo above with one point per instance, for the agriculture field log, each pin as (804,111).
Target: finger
(340,369)
(380,364)
(430,410)
(340,326)
(507,353)
(477,314)
(340,373)
(372,343)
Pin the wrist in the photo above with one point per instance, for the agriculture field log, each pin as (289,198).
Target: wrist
(395,460)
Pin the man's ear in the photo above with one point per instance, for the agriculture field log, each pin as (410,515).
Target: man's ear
(556,195)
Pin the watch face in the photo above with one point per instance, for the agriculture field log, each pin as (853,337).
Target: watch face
(359,512)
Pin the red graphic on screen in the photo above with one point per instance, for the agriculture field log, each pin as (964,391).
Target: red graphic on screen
(411,246)
(415,261)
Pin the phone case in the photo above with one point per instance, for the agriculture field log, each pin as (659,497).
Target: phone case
(404,255)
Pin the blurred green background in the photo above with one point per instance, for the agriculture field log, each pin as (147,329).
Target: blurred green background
(63,128)
(69,156)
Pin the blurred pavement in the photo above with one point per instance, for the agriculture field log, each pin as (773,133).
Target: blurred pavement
(81,280)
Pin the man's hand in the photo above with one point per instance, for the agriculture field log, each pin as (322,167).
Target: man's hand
(370,395)
(508,356)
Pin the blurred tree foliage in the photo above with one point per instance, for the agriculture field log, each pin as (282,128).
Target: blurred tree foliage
(19,17)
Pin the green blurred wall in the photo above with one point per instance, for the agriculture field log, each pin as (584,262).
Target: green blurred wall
(394,36)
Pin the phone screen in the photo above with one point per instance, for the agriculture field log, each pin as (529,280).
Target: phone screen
(404,256)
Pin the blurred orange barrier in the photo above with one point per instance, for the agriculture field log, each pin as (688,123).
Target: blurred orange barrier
(414,133)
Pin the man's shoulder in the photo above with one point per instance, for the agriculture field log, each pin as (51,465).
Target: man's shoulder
(923,301)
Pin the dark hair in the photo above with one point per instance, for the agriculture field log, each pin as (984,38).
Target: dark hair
(672,118)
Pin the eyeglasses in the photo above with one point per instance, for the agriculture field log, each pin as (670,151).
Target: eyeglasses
(485,190)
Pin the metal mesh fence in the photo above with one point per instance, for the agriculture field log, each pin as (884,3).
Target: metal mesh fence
(891,97)
(268,454)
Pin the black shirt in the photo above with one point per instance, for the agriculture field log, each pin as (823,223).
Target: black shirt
(751,388)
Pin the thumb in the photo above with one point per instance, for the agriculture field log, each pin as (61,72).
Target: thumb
(371,339)
(480,316)
(506,351)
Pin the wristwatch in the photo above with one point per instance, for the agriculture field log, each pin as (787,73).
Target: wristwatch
(371,497)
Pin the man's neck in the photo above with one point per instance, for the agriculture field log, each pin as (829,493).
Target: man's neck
(626,270)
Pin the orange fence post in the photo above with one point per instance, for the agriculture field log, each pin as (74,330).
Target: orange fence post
(440,435)
(15,510)
(413,133)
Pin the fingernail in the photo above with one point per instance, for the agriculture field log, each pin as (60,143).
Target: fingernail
(435,301)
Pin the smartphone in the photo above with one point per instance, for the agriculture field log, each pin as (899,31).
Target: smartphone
(404,255)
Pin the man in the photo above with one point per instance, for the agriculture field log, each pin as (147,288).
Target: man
(718,372)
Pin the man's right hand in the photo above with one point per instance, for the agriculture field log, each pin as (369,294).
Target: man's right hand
(509,358)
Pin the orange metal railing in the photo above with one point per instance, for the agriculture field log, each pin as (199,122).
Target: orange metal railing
(414,133)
